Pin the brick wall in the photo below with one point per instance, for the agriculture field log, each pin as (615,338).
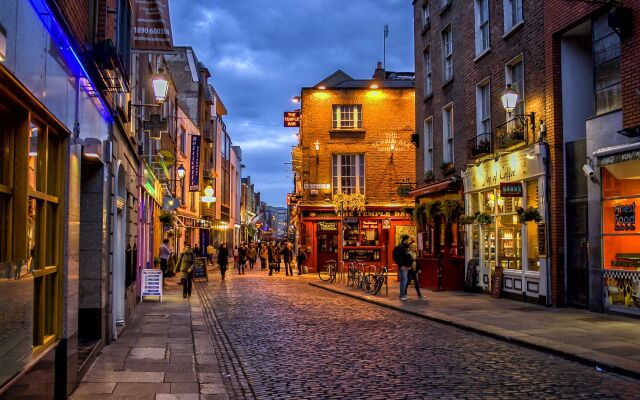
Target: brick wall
(77,15)
(384,111)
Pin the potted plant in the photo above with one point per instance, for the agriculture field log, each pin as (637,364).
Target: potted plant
(166,218)
(484,218)
(428,176)
(468,219)
(156,262)
(530,214)
(447,168)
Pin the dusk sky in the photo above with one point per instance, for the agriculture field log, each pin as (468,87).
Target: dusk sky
(261,53)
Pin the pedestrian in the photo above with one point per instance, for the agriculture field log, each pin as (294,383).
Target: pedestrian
(210,251)
(252,254)
(242,258)
(413,273)
(264,256)
(302,256)
(403,260)
(235,256)
(223,259)
(278,256)
(165,253)
(196,250)
(272,257)
(287,254)
(185,266)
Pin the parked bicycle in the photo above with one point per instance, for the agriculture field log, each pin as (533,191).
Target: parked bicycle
(328,271)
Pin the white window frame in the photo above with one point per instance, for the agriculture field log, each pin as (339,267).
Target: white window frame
(513,14)
(447,53)
(428,143)
(508,76)
(428,81)
(448,129)
(425,14)
(337,112)
(481,9)
(483,107)
(337,162)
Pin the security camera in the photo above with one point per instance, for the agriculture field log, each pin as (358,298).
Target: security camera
(588,170)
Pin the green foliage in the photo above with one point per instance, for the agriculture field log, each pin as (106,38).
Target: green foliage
(166,218)
(419,217)
(428,175)
(451,210)
(469,219)
(484,218)
(530,214)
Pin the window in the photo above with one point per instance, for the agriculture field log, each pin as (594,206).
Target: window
(482,25)
(183,141)
(515,77)
(483,107)
(512,14)
(347,116)
(606,57)
(348,173)
(447,53)
(428,144)
(447,134)
(425,15)
(428,86)
(533,251)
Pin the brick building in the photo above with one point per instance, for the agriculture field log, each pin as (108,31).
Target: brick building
(354,139)
(593,117)
(471,151)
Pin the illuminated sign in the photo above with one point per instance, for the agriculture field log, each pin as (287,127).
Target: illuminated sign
(327,225)
(291,119)
(511,189)
(317,186)
(625,217)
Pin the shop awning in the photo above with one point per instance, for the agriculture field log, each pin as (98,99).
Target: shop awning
(449,185)
(622,161)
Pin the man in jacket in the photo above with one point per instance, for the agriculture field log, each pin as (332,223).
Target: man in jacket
(223,259)
(185,266)
(402,258)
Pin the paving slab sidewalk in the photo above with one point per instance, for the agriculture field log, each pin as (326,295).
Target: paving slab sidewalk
(604,341)
(164,353)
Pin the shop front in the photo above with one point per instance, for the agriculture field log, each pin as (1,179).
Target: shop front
(506,243)
(620,231)
(367,237)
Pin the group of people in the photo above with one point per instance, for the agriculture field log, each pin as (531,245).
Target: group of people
(404,255)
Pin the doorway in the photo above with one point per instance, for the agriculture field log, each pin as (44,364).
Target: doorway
(327,245)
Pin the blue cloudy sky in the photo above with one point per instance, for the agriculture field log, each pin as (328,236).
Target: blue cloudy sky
(261,52)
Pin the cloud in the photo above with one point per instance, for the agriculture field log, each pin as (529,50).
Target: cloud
(262,52)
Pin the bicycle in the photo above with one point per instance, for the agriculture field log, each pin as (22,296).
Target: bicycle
(327,272)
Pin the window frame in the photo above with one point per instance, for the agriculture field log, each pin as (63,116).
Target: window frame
(447,53)
(482,28)
(508,76)
(481,106)
(338,112)
(425,14)
(616,105)
(428,144)
(510,23)
(427,72)
(337,176)
(448,134)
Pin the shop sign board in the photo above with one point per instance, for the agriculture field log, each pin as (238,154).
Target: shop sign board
(151,25)
(511,189)
(386,224)
(542,239)
(625,217)
(200,268)
(369,224)
(327,225)
(292,119)
(151,283)
(512,167)
(194,167)
(618,158)
(317,186)
(622,289)
(496,282)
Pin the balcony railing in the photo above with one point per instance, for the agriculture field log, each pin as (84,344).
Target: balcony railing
(511,133)
(480,145)
(208,171)
(209,132)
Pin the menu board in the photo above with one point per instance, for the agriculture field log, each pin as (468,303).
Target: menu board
(151,283)
(496,282)
(470,278)
(200,268)
(542,239)
(361,255)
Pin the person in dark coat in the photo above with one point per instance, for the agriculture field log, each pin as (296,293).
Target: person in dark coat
(272,256)
(185,266)
(287,254)
(302,256)
(223,259)
(242,258)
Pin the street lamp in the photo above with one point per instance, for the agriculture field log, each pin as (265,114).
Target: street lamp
(509,102)
(316,145)
(296,99)
(160,87)
(208,196)
(181,171)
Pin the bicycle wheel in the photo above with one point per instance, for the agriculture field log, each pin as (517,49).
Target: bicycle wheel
(368,283)
(378,284)
(326,272)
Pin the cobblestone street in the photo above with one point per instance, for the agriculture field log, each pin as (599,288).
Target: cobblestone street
(277,337)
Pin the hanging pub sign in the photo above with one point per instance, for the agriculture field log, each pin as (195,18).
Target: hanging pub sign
(511,189)
(151,25)
(291,119)
(194,168)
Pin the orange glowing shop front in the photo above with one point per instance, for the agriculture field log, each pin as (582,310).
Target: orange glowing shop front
(367,237)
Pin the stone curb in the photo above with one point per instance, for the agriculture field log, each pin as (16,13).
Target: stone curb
(588,357)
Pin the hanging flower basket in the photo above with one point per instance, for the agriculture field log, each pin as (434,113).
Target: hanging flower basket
(166,218)
(484,219)
(530,214)
(348,202)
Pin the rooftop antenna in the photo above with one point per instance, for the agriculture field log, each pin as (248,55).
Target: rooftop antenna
(384,55)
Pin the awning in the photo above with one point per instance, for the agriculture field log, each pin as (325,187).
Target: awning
(449,185)
(622,161)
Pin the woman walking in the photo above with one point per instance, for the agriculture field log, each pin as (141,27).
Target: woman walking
(288,257)
(223,259)
(264,256)
(252,253)
(185,266)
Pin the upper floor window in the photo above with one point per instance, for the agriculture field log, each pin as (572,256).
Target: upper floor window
(482,25)
(483,107)
(447,53)
(428,144)
(514,74)
(425,14)
(348,173)
(183,141)
(447,133)
(606,58)
(428,84)
(512,13)
(347,116)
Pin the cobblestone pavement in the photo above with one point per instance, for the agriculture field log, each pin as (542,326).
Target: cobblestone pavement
(285,339)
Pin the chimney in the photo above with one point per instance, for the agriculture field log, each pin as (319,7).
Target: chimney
(379,74)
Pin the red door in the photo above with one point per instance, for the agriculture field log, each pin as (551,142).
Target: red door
(327,247)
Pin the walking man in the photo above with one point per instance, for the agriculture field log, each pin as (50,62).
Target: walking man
(210,251)
(288,257)
(302,256)
(413,273)
(165,253)
(252,253)
(185,266)
(242,258)
(223,259)
(264,256)
(402,259)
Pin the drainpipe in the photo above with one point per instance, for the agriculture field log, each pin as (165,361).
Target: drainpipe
(547,216)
